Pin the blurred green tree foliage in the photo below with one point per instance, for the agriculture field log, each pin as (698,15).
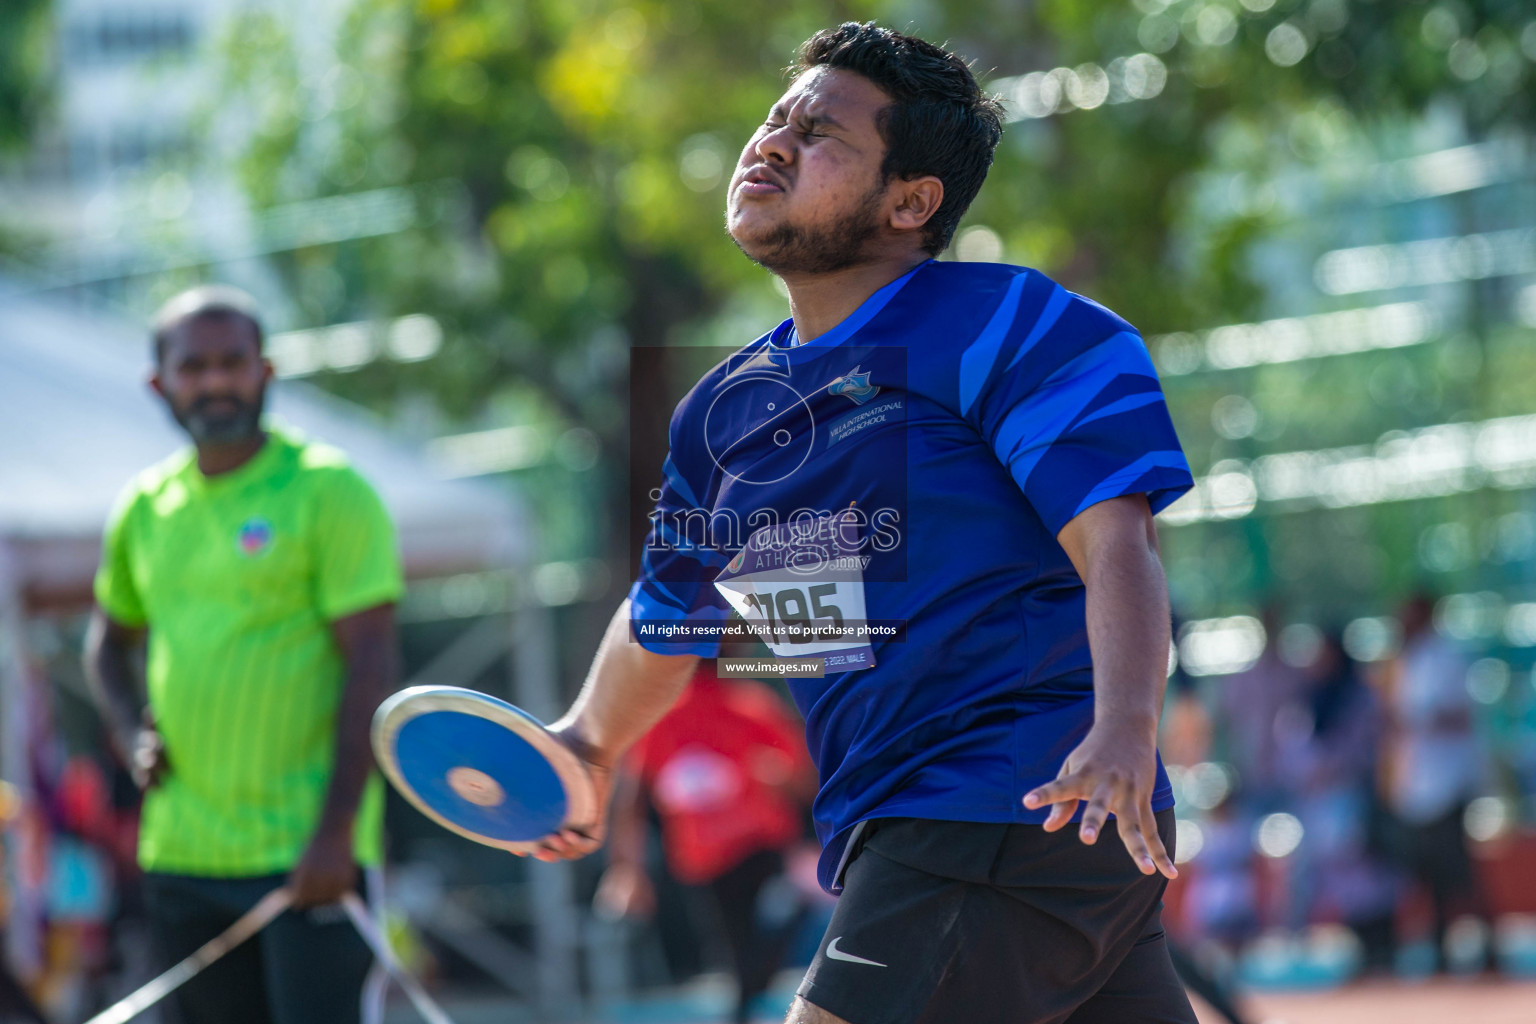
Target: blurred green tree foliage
(589,144)
(25,49)
(592,141)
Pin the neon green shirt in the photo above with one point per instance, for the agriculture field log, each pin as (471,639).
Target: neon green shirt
(237,577)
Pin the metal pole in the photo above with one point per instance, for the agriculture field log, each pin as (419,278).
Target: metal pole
(551,887)
(23,944)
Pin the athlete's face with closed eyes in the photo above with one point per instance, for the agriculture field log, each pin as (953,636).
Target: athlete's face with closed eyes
(808,195)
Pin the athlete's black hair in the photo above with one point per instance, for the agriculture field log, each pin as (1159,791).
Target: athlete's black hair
(215,301)
(939,121)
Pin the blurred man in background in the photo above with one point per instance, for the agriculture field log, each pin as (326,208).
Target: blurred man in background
(1329,739)
(1435,766)
(15,1002)
(728,775)
(261,571)
(1250,704)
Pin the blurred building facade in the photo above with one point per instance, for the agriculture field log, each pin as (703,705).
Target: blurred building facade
(133,176)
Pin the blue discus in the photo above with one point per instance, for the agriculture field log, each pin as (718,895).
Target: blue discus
(480,767)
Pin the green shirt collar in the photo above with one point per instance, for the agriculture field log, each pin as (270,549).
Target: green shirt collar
(257,467)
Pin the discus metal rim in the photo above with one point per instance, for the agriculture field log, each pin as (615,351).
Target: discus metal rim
(414,701)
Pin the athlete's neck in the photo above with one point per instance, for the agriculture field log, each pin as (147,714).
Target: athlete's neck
(819,302)
(214,458)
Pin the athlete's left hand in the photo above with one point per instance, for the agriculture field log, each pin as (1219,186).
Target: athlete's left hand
(1115,770)
(326,872)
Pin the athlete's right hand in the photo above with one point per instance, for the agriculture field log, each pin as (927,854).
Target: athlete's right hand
(149,763)
(1115,770)
(577,839)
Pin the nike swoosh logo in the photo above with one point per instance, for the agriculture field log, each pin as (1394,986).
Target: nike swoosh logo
(836,954)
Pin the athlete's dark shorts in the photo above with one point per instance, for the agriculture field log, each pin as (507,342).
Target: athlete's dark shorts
(944,922)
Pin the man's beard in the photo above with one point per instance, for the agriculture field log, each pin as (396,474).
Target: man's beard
(241,424)
(822,248)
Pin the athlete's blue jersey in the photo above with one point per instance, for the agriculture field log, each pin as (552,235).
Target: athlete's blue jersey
(943,435)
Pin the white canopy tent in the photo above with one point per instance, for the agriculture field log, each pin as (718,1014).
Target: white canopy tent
(77,421)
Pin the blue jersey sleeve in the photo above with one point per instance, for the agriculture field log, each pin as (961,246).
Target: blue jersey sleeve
(673,605)
(1065,393)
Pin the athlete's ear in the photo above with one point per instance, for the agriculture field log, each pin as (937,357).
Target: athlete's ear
(916,200)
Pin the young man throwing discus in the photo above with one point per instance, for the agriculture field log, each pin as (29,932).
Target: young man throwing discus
(967,455)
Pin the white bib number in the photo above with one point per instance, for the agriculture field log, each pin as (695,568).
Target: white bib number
(800,586)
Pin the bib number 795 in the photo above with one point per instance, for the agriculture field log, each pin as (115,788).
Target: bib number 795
(796,607)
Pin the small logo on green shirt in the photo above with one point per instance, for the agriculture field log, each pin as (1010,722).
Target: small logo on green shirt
(254,537)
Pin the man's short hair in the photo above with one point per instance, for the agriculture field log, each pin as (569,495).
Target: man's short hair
(217,301)
(939,121)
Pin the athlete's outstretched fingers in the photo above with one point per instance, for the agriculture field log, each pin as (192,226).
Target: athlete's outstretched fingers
(1160,855)
(1094,816)
(1064,787)
(1063,794)
(1061,813)
(1135,843)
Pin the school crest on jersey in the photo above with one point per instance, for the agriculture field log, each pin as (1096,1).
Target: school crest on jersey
(254,537)
(854,385)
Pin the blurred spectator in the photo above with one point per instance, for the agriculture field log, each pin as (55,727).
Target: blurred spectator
(1221,901)
(15,1003)
(1250,705)
(729,777)
(1186,730)
(1329,739)
(1185,739)
(81,892)
(1434,765)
